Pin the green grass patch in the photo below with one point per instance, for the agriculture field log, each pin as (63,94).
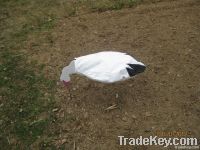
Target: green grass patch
(22,89)
(25,93)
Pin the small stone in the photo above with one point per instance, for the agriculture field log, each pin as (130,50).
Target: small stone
(130,85)
(49,19)
(63,141)
(124,119)
(117,96)
(134,117)
(148,114)
(1,105)
(74,89)
(189,86)
(55,109)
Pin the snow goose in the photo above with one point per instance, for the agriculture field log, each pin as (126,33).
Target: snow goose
(106,67)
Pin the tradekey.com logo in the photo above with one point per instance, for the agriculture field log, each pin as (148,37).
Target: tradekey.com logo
(179,143)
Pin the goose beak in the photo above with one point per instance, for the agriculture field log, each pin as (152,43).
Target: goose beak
(66,83)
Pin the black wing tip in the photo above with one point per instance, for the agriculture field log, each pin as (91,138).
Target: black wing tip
(135,69)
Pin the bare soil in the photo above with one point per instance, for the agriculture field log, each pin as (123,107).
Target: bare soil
(165,35)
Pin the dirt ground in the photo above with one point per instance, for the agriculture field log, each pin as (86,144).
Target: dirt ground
(165,35)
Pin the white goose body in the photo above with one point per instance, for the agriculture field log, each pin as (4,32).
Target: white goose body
(106,67)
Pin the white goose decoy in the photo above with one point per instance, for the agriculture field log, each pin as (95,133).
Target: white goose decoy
(106,67)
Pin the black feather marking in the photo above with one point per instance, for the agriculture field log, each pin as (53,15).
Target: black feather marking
(130,71)
(135,69)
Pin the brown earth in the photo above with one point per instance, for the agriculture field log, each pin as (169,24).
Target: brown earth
(165,35)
